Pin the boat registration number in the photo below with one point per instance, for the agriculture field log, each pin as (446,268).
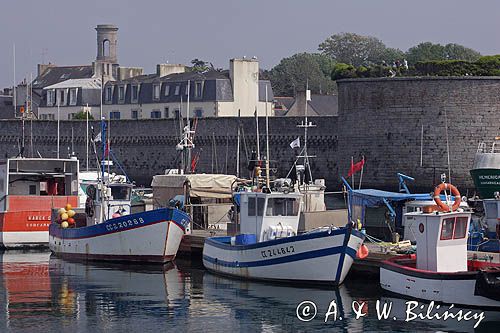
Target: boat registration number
(269,253)
(124,224)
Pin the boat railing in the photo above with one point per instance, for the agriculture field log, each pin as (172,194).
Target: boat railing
(207,216)
(495,147)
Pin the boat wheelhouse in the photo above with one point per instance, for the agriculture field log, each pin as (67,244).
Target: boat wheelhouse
(29,189)
(440,271)
(268,247)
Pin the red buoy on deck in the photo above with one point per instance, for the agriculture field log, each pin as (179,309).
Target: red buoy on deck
(362,252)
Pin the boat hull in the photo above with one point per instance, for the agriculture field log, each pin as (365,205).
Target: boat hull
(452,288)
(152,237)
(486,181)
(26,224)
(318,257)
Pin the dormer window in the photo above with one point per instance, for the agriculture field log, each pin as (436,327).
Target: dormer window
(109,94)
(135,93)
(167,90)
(121,93)
(156,91)
(177,89)
(61,97)
(50,97)
(73,96)
(198,89)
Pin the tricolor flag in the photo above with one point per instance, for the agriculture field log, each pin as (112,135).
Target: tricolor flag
(295,143)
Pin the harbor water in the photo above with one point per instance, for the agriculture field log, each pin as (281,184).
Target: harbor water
(41,293)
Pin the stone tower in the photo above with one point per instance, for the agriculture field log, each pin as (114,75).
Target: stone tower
(106,62)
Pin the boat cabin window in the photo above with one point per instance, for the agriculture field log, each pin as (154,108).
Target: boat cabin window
(255,205)
(120,192)
(453,228)
(282,207)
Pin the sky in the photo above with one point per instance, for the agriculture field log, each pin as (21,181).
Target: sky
(160,31)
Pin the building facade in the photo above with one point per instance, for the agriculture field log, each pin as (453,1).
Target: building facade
(211,93)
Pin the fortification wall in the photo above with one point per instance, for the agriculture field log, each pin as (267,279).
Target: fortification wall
(381,119)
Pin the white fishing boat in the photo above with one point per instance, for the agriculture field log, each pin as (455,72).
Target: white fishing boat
(440,271)
(268,247)
(104,229)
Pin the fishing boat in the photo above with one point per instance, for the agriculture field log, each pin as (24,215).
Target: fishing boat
(29,189)
(440,271)
(104,229)
(486,169)
(269,248)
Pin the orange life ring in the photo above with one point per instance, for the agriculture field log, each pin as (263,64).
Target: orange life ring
(444,207)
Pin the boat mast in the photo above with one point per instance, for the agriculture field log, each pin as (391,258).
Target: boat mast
(306,125)
(267,146)
(238,148)
(14,97)
(58,120)
(188,157)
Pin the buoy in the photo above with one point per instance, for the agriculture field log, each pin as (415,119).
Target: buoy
(64,216)
(64,224)
(68,207)
(61,211)
(363,252)
(71,220)
(71,213)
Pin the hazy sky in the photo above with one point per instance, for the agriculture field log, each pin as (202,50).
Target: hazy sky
(157,31)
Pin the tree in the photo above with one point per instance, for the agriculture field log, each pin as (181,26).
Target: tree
(82,115)
(433,52)
(357,50)
(292,74)
(199,65)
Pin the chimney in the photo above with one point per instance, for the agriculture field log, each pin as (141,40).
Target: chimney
(167,69)
(43,67)
(300,102)
(244,75)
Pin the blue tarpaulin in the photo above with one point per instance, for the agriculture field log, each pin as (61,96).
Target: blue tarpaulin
(375,198)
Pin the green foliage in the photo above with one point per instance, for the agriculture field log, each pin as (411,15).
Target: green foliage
(292,74)
(433,52)
(199,65)
(344,71)
(357,50)
(446,68)
(83,115)
(489,65)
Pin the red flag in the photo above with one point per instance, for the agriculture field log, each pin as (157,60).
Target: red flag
(106,150)
(356,167)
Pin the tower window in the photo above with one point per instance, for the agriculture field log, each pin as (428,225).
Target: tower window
(105,48)
(167,90)
(135,114)
(177,88)
(167,112)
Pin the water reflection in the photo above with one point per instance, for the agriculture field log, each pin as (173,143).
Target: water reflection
(41,293)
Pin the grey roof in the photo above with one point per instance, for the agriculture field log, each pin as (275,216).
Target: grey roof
(284,101)
(325,105)
(56,74)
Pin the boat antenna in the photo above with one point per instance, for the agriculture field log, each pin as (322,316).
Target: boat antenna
(189,146)
(58,125)
(238,147)
(267,146)
(31,114)
(14,97)
(447,145)
(257,130)
(87,135)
